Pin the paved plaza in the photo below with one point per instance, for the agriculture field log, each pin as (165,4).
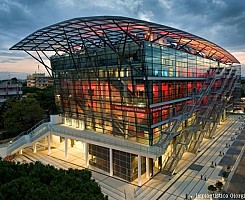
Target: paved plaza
(238,179)
(190,180)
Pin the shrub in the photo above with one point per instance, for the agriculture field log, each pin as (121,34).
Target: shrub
(212,188)
(225,174)
(219,185)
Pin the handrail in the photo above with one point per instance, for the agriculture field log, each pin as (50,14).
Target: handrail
(29,130)
(177,153)
(203,91)
(20,139)
(209,111)
(145,149)
(41,128)
(39,131)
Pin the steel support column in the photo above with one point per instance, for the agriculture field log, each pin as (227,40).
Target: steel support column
(66,148)
(86,154)
(139,170)
(111,162)
(49,148)
(34,146)
(147,168)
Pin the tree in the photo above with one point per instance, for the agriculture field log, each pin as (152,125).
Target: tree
(225,174)
(228,168)
(3,109)
(242,92)
(212,188)
(14,80)
(37,181)
(21,115)
(219,185)
(45,97)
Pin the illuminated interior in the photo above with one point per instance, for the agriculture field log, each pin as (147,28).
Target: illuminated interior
(104,92)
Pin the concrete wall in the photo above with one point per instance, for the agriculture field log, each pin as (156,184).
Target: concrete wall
(3,152)
(55,119)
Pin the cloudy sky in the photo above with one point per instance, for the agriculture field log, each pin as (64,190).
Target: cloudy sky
(220,21)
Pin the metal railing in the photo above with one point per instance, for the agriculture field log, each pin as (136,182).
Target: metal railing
(28,136)
(180,145)
(175,122)
(29,130)
(153,150)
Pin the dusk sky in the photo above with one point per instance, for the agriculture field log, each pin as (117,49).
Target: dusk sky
(219,21)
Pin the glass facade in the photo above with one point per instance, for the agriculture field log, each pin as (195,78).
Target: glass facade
(125,165)
(116,92)
(168,62)
(99,157)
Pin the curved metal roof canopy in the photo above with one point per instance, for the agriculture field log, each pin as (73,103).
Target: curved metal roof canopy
(82,33)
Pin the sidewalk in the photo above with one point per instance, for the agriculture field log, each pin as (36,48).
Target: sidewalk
(237,182)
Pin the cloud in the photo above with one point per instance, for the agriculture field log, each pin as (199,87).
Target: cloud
(166,4)
(13,15)
(220,21)
(240,56)
(7,60)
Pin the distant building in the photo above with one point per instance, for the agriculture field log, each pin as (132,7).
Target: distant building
(10,89)
(39,80)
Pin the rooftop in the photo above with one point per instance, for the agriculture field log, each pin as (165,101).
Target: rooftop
(89,32)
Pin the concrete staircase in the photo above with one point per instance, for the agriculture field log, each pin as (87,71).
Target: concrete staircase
(25,139)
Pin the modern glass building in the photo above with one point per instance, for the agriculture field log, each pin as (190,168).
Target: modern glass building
(157,89)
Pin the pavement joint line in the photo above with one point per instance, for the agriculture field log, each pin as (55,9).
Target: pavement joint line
(103,179)
(186,185)
(44,158)
(216,138)
(219,169)
(235,166)
(150,187)
(199,189)
(28,158)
